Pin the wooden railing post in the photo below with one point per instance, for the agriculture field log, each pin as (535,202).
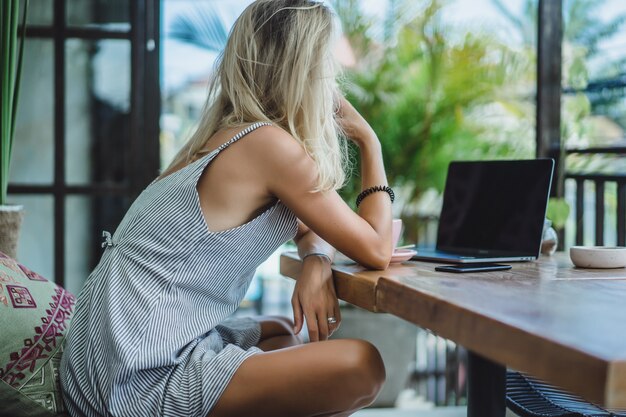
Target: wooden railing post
(548,130)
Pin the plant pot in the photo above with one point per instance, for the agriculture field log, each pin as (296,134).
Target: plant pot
(10,223)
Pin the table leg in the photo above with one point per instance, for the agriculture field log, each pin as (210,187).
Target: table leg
(486,387)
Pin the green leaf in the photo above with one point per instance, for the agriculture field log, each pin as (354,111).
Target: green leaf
(10,67)
(558,212)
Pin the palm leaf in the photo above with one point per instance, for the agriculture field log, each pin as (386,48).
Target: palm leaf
(18,76)
(203,28)
(10,79)
(606,30)
(510,16)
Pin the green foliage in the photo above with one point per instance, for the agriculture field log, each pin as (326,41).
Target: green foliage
(583,26)
(11,68)
(581,23)
(583,30)
(421,93)
(558,212)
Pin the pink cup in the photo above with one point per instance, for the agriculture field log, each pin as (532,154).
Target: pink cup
(396,232)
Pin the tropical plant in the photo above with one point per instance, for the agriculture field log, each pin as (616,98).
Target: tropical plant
(421,91)
(583,31)
(582,25)
(11,68)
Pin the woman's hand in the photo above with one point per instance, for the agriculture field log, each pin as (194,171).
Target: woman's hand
(354,125)
(314,298)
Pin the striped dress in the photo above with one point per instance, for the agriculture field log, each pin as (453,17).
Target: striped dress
(152,333)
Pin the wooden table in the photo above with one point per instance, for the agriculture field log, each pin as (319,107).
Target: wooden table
(547,318)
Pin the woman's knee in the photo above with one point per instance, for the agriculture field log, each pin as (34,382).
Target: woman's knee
(366,370)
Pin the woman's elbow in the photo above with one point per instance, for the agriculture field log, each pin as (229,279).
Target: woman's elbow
(378,259)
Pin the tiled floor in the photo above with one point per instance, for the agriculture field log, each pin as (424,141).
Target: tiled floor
(437,412)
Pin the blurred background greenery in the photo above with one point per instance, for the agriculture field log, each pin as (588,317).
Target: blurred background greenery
(436,93)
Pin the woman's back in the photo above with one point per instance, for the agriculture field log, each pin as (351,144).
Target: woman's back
(153,302)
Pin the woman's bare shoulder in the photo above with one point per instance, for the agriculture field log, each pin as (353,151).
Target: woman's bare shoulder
(280,157)
(272,138)
(274,145)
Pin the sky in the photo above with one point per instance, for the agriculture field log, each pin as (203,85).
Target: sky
(182,62)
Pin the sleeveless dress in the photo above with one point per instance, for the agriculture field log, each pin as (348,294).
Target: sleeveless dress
(152,333)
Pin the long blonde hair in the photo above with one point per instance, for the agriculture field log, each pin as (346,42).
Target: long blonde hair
(278,67)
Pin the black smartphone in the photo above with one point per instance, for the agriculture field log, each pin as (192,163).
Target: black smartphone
(472,268)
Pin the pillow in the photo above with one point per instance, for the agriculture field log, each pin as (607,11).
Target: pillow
(34,318)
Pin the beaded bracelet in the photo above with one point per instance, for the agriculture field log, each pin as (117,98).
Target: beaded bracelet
(374,189)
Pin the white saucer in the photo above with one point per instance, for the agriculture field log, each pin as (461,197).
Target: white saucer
(401,255)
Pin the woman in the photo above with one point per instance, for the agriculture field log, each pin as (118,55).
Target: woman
(152,332)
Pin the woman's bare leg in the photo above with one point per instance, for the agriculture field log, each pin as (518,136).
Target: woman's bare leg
(331,378)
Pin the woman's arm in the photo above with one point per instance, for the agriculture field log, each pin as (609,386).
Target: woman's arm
(376,208)
(291,175)
(309,243)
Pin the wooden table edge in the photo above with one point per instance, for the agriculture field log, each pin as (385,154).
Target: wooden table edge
(360,292)
(602,386)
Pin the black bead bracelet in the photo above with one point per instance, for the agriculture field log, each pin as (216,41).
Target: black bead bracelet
(374,189)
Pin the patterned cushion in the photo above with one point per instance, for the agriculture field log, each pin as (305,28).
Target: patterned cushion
(34,318)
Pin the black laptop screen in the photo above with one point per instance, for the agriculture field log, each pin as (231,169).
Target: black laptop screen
(495,207)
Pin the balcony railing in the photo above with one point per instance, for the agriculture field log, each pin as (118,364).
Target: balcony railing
(602,183)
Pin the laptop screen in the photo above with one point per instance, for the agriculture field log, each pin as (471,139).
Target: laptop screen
(495,207)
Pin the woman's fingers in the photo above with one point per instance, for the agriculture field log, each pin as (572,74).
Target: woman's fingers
(322,323)
(332,326)
(337,315)
(332,304)
(312,324)
(353,124)
(297,314)
(317,324)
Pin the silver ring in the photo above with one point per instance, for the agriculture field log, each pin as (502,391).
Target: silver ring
(332,320)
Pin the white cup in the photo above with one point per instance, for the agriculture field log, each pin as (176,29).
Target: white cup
(396,232)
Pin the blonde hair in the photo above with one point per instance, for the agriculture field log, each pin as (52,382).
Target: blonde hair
(278,67)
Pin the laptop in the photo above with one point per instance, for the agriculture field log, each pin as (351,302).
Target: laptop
(493,211)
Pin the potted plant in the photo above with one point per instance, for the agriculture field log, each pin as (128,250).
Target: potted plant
(10,66)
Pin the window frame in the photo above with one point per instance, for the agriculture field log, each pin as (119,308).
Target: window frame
(145,108)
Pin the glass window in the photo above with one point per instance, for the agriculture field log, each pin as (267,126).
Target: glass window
(80,240)
(108,13)
(39,12)
(594,87)
(96,129)
(32,159)
(98,110)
